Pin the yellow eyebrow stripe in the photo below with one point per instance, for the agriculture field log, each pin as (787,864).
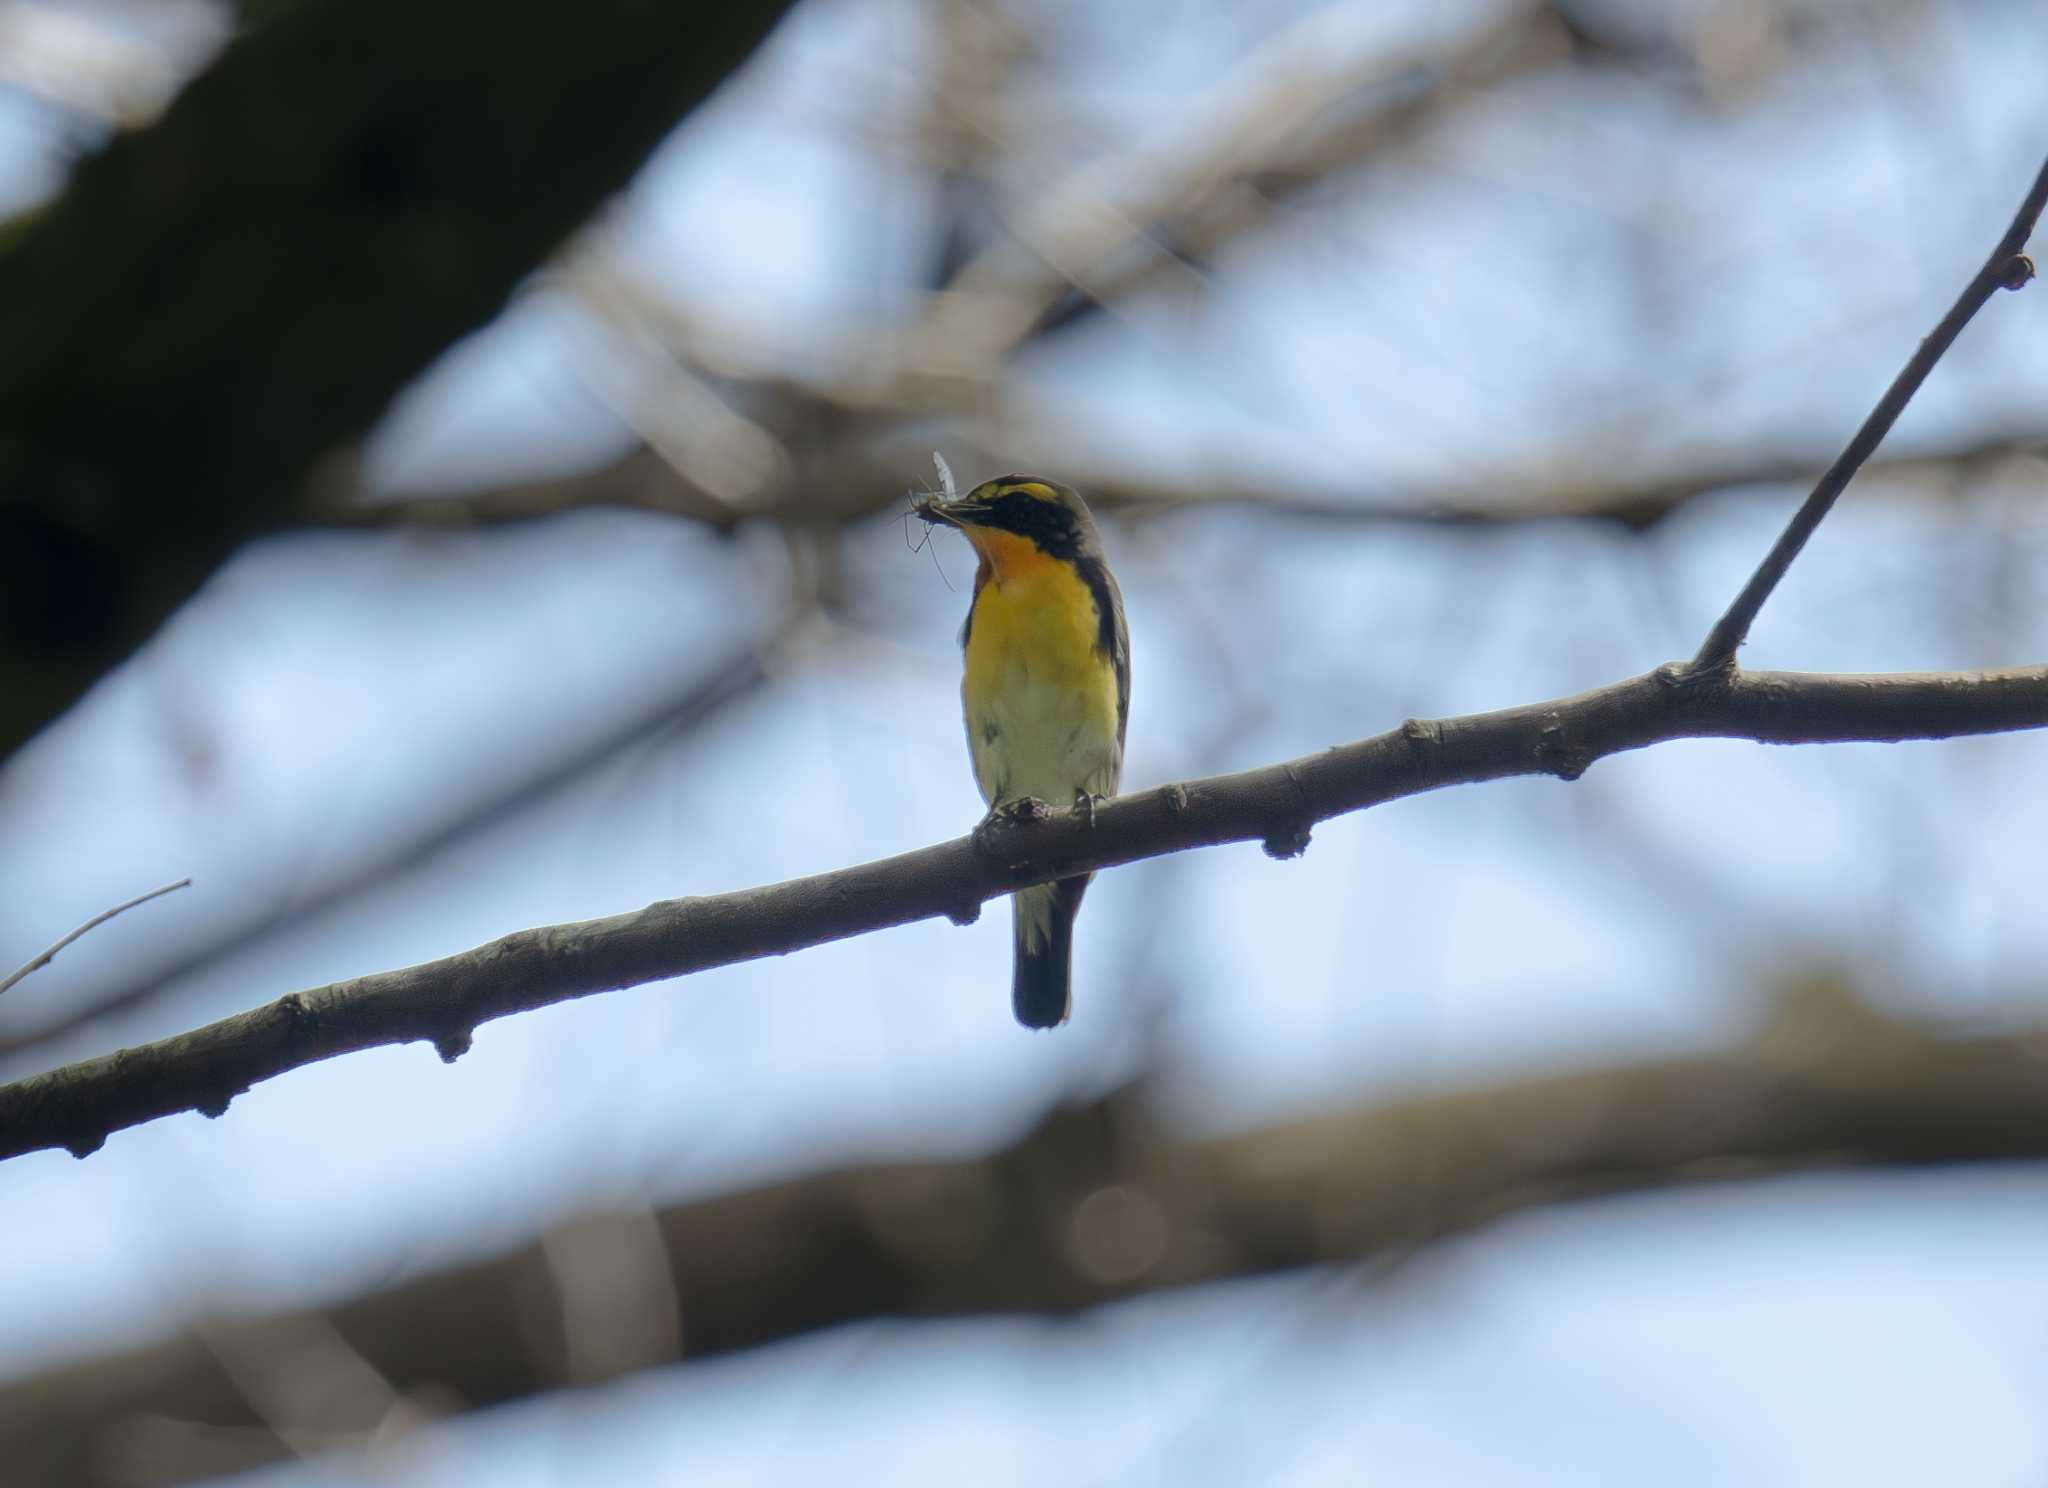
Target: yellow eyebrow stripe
(1035,488)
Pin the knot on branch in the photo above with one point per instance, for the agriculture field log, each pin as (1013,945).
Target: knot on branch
(1693,680)
(213,1104)
(2018,270)
(298,1013)
(965,910)
(1423,738)
(1290,841)
(453,1044)
(1177,799)
(1559,755)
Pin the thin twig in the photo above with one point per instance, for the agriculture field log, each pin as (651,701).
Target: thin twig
(2006,268)
(92,924)
(444,1001)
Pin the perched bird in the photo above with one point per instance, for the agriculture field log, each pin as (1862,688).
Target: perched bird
(1046,689)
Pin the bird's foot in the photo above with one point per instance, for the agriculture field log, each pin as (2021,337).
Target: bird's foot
(1085,803)
(1023,809)
(1006,814)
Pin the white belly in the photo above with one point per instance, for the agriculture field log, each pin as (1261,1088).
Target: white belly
(1032,738)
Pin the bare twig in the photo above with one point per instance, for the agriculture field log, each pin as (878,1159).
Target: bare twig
(2006,268)
(92,924)
(664,721)
(1094,1205)
(443,1001)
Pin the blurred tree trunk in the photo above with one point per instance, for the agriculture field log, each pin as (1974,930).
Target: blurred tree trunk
(218,300)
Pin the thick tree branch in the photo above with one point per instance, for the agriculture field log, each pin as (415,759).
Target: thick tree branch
(218,300)
(1095,1205)
(2006,268)
(443,1001)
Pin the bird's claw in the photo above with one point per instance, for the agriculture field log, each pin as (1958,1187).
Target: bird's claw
(1003,814)
(1085,804)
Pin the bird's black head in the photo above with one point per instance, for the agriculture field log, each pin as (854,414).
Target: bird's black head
(1051,515)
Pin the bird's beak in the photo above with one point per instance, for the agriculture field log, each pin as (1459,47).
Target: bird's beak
(962,513)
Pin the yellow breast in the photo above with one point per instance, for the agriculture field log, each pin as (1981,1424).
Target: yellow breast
(1040,698)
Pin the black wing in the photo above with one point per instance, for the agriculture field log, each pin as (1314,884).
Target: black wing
(1112,636)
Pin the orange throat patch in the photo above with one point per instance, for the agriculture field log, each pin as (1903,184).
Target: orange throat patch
(1005,555)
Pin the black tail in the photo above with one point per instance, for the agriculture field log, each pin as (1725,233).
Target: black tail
(1042,992)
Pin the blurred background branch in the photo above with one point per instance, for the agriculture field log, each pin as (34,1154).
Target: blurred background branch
(642,480)
(1095,1204)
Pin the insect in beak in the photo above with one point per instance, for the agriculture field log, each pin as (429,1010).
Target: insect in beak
(944,504)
